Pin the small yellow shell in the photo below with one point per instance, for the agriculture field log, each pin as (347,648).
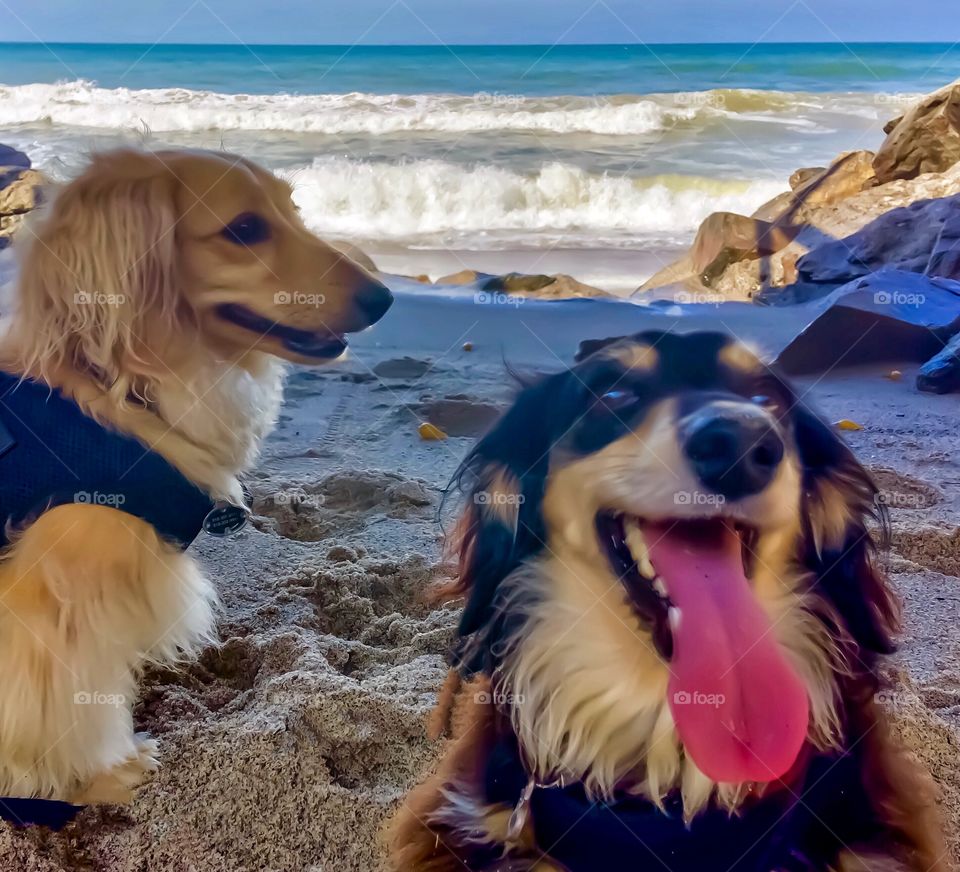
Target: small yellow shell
(894,375)
(430,432)
(847,424)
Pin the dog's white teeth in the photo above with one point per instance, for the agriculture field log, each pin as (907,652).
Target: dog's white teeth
(638,548)
(660,587)
(673,618)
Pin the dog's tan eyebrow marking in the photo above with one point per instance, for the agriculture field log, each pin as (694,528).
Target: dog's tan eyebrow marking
(635,356)
(738,356)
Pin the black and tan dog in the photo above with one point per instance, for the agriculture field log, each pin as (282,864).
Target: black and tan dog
(672,633)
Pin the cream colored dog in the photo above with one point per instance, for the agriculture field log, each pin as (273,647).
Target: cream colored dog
(157,291)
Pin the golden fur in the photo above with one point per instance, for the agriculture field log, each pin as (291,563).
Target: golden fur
(120,280)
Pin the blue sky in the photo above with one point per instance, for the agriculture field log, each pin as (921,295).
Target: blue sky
(477,21)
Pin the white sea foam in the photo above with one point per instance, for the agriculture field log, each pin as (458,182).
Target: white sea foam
(383,200)
(84,104)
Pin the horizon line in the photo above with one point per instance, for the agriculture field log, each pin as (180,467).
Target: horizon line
(242,44)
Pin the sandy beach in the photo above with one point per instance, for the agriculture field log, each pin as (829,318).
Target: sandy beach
(285,748)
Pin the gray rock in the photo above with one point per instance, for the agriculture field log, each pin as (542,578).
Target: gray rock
(941,374)
(923,237)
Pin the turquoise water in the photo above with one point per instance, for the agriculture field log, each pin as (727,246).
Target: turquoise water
(599,161)
(530,70)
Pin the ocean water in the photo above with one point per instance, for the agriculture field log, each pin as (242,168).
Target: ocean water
(594,160)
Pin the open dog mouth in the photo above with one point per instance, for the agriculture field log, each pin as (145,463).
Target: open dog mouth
(322,344)
(625,541)
(739,705)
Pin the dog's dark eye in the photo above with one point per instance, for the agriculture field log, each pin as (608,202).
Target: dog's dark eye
(617,398)
(773,398)
(247,229)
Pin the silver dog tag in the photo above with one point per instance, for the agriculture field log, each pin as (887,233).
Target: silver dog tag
(520,814)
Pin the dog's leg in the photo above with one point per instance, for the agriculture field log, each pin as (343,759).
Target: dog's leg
(87,595)
(444,825)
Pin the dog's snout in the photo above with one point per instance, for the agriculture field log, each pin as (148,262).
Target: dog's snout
(373,300)
(734,456)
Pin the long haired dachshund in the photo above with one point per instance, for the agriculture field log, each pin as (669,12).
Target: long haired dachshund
(156,297)
(671,638)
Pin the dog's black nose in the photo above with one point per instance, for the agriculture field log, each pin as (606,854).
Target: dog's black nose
(374,300)
(734,456)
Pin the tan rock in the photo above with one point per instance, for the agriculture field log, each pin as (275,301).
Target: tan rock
(514,283)
(925,140)
(680,272)
(803,175)
(833,221)
(725,238)
(849,174)
(22,192)
(776,208)
(464,277)
(891,124)
(564,286)
(521,285)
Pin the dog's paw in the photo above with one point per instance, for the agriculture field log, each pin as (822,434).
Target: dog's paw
(116,785)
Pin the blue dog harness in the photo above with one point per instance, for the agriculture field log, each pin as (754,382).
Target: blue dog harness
(783,832)
(52,454)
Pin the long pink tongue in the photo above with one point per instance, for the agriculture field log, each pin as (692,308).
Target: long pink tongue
(740,708)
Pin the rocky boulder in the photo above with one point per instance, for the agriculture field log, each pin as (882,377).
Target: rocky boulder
(724,239)
(815,187)
(827,224)
(20,191)
(923,237)
(555,287)
(924,140)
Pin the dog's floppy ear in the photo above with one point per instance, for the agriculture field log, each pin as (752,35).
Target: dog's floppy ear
(502,479)
(99,268)
(838,545)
